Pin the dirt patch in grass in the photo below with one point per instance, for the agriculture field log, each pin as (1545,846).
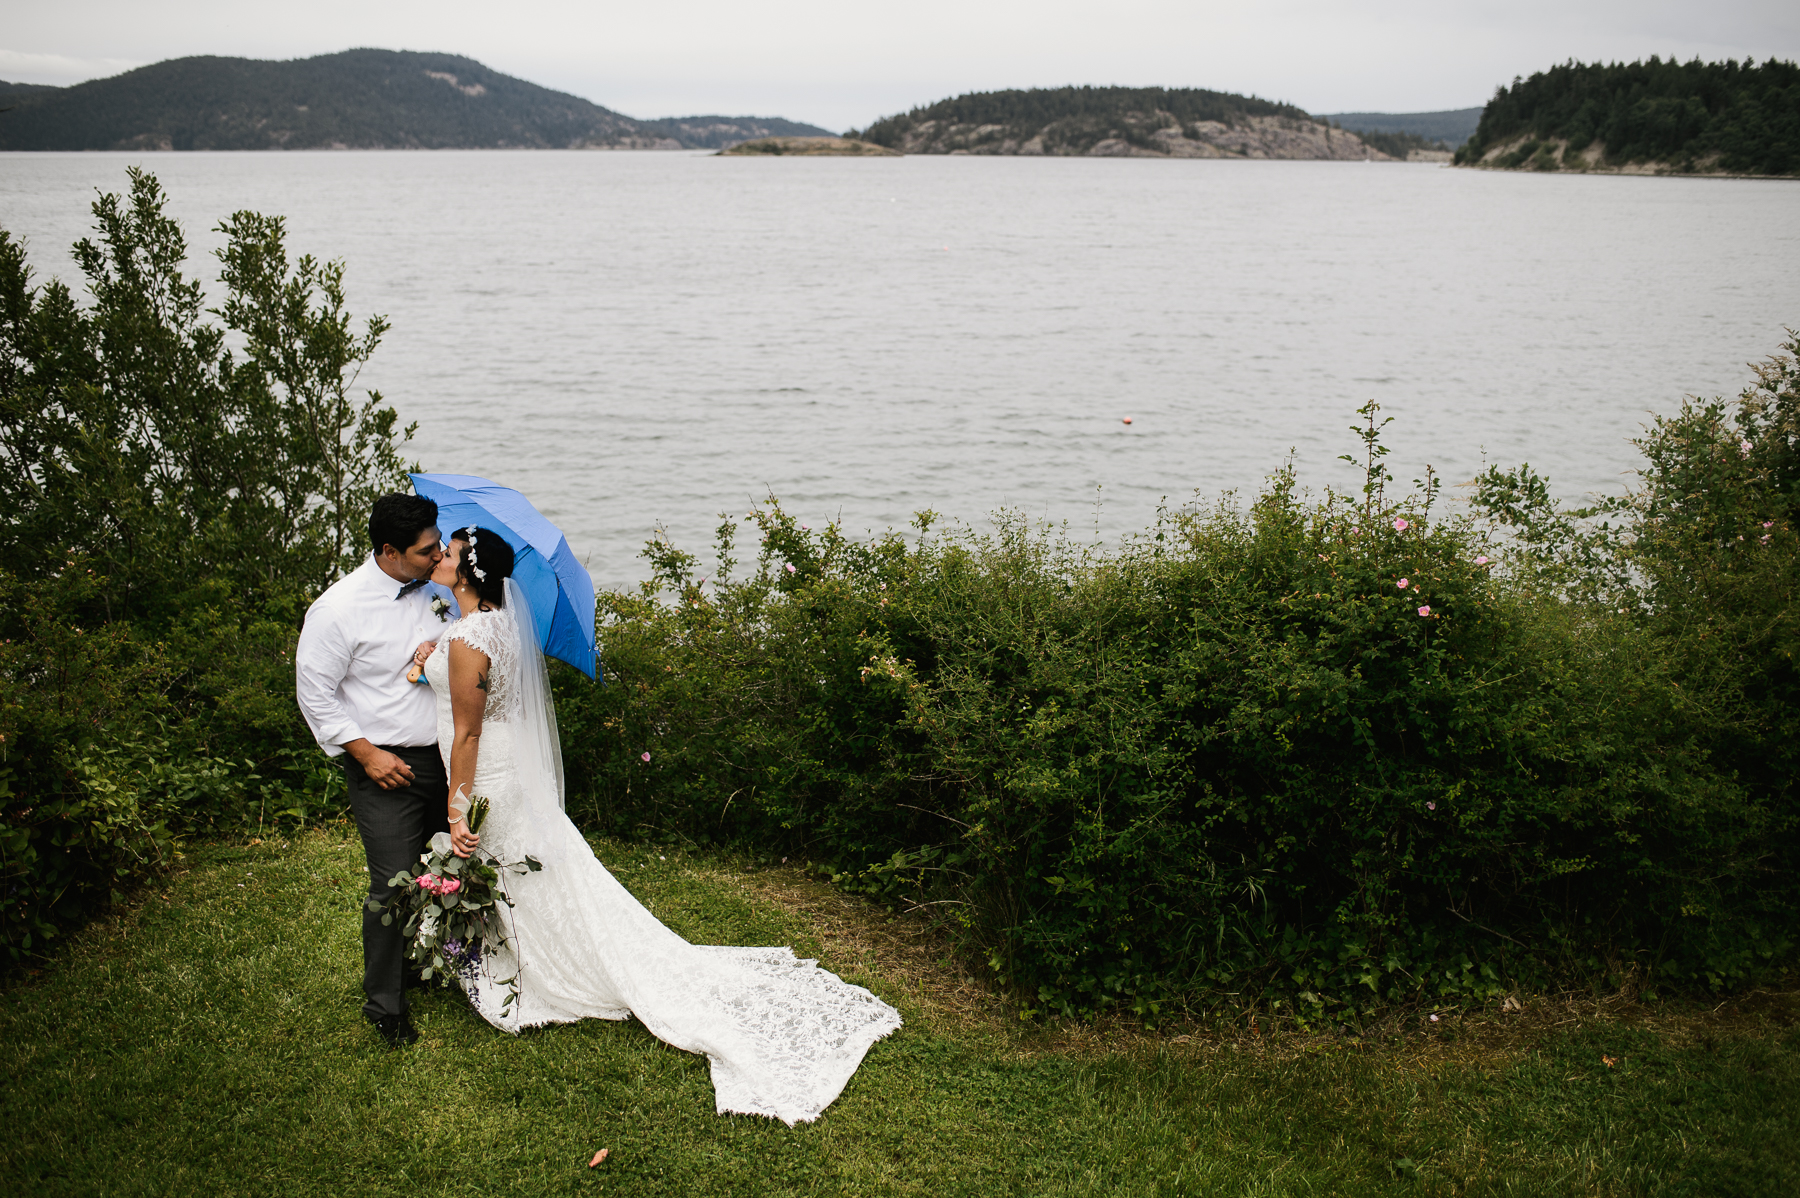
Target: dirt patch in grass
(904,950)
(914,951)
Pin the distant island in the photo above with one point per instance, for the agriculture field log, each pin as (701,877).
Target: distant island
(1122,122)
(809,147)
(358,99)
(1449,128)
(1652,117)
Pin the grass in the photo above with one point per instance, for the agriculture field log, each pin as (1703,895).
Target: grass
(208,1041)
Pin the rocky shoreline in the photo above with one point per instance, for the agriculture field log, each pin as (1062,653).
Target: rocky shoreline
(1150,135)
(1529,153)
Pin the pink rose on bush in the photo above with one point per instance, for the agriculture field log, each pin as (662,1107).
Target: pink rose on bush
(1426,610)
(1400,525)
(1401,584)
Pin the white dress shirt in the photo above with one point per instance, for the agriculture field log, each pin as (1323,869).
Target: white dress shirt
(355,649)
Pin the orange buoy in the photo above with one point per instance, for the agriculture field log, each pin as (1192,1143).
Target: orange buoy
(1127,420)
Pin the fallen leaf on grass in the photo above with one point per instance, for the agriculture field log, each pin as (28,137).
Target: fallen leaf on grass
(598,1157)
(1609,1061)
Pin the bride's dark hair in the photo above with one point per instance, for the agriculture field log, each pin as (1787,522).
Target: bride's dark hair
(486,564)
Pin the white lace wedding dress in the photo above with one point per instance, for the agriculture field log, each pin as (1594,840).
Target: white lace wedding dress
(783,1035)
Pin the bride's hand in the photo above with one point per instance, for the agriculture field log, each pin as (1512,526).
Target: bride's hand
(462,841)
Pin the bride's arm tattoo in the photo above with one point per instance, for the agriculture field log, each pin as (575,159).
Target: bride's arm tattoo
(481,681)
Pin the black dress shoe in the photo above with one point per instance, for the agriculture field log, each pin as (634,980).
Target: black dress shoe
(395,1029)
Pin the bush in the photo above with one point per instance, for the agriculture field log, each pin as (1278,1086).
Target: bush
(168,506)
(1236,756)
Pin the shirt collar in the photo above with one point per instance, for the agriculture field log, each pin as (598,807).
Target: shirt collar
(381,583)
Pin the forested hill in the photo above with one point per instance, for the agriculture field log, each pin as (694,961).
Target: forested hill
(358,99)
(1645,117)
(1113,121)
(1452,126)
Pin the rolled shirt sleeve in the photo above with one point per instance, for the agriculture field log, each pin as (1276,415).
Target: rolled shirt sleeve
(320,662)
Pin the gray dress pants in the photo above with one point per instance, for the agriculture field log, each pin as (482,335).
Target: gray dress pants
(395,827)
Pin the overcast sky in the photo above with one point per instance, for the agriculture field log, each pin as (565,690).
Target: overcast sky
(842,65)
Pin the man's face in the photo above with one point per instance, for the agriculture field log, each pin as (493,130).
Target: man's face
(420,558)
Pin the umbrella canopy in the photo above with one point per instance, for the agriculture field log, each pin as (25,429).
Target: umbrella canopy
(559,588)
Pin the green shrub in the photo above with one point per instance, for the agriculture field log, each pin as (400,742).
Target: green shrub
(174,491)
(70,833)
(1235,756)
(1700,563)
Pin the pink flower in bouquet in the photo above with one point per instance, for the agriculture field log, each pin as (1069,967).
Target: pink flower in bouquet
(450,886)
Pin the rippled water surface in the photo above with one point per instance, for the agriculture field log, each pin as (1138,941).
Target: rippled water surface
(644,340)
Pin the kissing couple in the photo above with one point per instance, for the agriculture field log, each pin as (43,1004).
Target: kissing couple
(783,1036)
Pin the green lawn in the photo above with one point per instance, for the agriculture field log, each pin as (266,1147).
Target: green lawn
(209,1042)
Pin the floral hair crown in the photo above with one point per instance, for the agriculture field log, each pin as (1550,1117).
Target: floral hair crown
(480,574)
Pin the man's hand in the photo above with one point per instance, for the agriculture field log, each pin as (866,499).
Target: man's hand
(422,652)
(384,769)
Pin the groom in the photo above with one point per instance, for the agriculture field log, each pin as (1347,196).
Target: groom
(351,665)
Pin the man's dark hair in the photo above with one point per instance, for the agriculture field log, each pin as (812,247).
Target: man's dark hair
(398,520)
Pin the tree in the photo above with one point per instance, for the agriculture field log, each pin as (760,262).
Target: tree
(173,489)
(136,438)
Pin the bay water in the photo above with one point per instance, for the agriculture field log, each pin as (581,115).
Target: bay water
(643,341)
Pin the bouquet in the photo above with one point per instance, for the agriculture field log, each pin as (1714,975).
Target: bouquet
(450,905)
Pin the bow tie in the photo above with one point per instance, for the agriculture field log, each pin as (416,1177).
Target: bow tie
(410,587)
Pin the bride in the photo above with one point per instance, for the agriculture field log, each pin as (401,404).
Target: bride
(783,1035)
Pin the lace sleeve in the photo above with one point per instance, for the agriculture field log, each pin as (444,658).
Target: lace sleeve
(478,630)
(495,634)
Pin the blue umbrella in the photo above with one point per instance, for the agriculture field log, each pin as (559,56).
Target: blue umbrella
(558,587)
